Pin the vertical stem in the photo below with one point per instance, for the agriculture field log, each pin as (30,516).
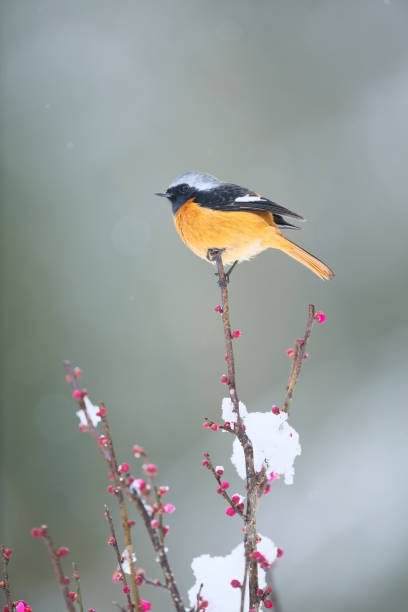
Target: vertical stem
(57,568)
(123,514)
(251,481)
(5,578)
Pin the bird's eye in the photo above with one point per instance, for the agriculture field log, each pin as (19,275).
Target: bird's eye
(183,189)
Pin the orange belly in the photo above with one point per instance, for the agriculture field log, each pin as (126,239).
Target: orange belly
(242,234)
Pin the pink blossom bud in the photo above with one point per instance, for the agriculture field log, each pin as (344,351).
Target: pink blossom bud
(219,490)
(214,427)
(235,499)
(204,463)
(111,489)
(7,553)
(320,317)
(226,357)
(130,479)
(206,425)
(268,589)
(218,308)
(279,553)
(224,379)
(20,606)
(267,489)
(305,356)
(230,511)
(169,508)
(62,551)
(227,424)
(126,589)
(101,412)
(162,490)
(76,394)
(225,485)
(273,476)
(116,577)
(219,470)
(37,532)
(268,603)
(83,427)
(241,506)
(275,409)
(236,333)
(154,523)
(235,584)
(67,378)
(77,372)
(73,596)
(65,580)
(111,541)
(259,592)
(165,529)
(124,467)
(145,605)
(139,484)
(203,605)
(138,451)
(131,523)
(84,393)
(290,352)
(103,441)
(92,610)
(150,469)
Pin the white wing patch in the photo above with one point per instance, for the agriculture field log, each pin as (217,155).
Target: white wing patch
(250,198)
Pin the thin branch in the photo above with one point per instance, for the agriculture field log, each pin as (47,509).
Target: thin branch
(5,577)
(134,498)
(223,492)
(118,554)
(251,480)
(297,359)
(123,512)
(78,586)
(57,568)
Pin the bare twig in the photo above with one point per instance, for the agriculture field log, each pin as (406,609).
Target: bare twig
(118,554)
(57,568)
(297,359)
(5,577)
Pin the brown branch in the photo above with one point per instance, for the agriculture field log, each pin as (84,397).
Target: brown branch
(118,554)
(123,511)
(6,586)
(223,492)
(57,568)
(297,359)
(158,545)
(251,481)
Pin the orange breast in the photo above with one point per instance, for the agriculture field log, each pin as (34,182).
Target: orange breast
(242,234)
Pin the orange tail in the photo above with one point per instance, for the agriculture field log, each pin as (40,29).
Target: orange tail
(305,258)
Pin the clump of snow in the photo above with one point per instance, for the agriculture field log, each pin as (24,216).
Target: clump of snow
(91,410)
(276,444)
(227,410)
(216,573)
(126,561)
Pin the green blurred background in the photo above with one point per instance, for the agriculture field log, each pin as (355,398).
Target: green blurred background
(104,102)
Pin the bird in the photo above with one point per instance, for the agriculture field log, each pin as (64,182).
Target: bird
(212,216)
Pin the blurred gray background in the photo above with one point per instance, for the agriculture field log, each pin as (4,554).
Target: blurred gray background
(102,104)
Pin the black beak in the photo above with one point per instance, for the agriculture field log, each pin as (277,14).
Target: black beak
(163,195)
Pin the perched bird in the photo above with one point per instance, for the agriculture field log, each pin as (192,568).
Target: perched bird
(213,215)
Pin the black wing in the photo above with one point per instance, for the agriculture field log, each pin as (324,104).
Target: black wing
(230,197)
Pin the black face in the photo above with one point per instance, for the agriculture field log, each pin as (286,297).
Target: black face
(179,194)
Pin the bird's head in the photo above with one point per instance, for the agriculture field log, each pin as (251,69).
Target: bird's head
(187,186)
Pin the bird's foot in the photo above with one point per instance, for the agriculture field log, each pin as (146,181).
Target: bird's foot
(212,254)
